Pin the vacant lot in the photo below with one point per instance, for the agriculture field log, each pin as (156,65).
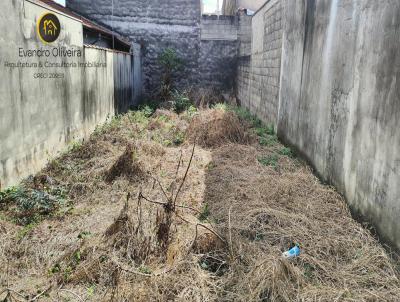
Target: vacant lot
(192,207)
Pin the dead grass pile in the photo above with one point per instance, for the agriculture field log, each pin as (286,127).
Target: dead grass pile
(208,224)
(126,165)
(266,211)
(216,127)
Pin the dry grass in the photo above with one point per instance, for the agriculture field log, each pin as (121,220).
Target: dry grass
(107,244)
(216,127)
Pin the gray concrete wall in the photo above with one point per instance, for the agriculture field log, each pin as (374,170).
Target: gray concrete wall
(258,77)
(40,117)
(340,100)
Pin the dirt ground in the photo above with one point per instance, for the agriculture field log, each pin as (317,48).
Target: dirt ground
(192,207)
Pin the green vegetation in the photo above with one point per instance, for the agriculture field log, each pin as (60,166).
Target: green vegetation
(268,141)
(111,124)
(74,146)
(269,160)
(205,213)
(221,106)
(170,63)
(286,152)
(179,138)
(145,270)
(180,101)
(28,206)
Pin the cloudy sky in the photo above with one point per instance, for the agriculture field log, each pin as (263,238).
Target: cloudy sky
(209,5)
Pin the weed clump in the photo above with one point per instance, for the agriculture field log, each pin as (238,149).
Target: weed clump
(29,205)
(215,127)
(126,165)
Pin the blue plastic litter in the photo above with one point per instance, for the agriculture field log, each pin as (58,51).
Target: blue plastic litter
(293,252)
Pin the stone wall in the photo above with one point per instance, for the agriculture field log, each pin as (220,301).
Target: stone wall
(207,44)
(340,103)
(155,25)
(218,52)
(40,116)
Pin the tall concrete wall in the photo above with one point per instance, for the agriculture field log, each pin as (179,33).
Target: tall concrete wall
(258,76)
(39,117)
(340,100)
(336,66)
(155,25)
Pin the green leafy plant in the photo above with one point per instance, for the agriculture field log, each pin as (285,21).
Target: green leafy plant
(179,138)
(180,101)
(191,111)
(146,110)
(30,205)
(170,63)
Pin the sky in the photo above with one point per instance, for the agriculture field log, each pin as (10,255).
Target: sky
(210,6)
(62,2)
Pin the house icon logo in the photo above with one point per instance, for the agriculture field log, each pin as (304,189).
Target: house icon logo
(48,28)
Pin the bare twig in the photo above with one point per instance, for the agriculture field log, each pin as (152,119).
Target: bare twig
(179,164)
(204,226)
(186,173)
(40,294)
(72,293)
(141,196)
(162,188)
(230,232)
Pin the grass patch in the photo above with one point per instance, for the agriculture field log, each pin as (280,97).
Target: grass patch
(205,213)
(286,152)
(268,141)
(269,160)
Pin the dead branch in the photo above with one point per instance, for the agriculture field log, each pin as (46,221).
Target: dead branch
(162,188)
(72,293)
(186,173)
(204,226)
(179,164)
(40,294)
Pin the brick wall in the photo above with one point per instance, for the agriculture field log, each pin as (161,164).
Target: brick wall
(259,71)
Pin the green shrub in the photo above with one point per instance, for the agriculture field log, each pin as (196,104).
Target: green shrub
(191,111)
(180,101)
(146,110)
(170,63)
(179,138)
